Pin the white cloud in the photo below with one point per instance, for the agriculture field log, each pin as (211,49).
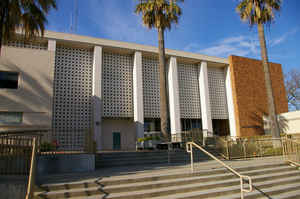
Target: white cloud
(119,24)
(283,37)
(191,47)
(239,45)
(223,51)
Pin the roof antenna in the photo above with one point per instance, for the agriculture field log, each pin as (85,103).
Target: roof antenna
(74,17)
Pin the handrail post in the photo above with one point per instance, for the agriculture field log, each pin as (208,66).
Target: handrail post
(31,178)
(169,158)
(242,187)
(189,149)
(227,149)
(192,158)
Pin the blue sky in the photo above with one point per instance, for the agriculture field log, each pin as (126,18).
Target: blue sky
(207,27)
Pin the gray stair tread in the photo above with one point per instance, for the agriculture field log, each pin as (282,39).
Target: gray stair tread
(165,172)
(149,191)
(199,193)
(186,179)
(228,174)
(294,194)
(280,188)
(153,183)
(235,196)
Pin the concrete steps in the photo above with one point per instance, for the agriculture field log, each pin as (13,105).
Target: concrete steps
(121,159)
(276,180)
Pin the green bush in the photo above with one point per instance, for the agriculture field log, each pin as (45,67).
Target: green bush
(47,146)
(156,138)
(272,151)
(148,138)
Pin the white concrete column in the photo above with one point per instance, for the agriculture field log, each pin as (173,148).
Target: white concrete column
(51,49)
(97,95)
(174,105)
(205,101)
(52,45)
(230,105)
(138,104)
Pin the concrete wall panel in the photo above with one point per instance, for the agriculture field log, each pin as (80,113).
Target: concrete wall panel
(127,129)
(34,95)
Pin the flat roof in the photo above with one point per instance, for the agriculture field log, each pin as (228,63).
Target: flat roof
(127,47)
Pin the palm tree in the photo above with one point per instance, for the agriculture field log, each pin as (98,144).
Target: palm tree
(261,12)
(28,16)
(160,14)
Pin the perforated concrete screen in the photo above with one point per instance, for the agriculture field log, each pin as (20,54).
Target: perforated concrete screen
(189,96)
(72,96)
(151,87)
(217,92)
(117,85)
(22,44)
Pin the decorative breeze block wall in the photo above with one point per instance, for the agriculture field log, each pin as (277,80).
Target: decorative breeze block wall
(72,96)
(117,85)
(151,87)
(189,97)
(23,44)
(217,92)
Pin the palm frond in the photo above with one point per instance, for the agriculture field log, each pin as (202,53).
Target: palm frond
(258,11)
(159,13)
(29,16)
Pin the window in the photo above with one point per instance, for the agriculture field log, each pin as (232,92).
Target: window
(9,80)
(11,118)
(189,124)
(151,125)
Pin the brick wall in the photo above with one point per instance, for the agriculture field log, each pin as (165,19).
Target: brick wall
(249,93)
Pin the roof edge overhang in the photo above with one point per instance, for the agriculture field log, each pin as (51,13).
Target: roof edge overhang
(92,41)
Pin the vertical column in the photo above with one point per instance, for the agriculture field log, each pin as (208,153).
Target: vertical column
(51,45)
(51,49)
(174,105)
(205,102)
(231,113)
(138,104)
(97,95)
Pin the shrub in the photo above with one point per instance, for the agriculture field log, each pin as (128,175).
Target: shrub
(47,146)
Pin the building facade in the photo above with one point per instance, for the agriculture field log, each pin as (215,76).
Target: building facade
(74,83)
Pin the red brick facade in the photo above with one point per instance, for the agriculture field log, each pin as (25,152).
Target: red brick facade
(249,94)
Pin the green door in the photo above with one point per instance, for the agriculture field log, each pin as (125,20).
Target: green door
(116,141)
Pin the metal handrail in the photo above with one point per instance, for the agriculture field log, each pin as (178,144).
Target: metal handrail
(189,149)
(32,172)
(285,151)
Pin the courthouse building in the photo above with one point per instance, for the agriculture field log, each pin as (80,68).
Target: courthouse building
(73,83)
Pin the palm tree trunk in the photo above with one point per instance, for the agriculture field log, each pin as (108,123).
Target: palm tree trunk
(271,105)
(162,79)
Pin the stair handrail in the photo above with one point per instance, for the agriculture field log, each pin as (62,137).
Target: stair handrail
(286,151)
(189,149)
(32,172)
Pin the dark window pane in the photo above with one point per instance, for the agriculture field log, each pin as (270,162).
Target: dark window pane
(9,80)
(11,117)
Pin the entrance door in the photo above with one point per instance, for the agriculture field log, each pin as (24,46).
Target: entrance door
(116,140)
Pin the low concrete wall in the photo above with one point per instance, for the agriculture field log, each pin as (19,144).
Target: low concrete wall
(292,122)
(13,187)
(65,163)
